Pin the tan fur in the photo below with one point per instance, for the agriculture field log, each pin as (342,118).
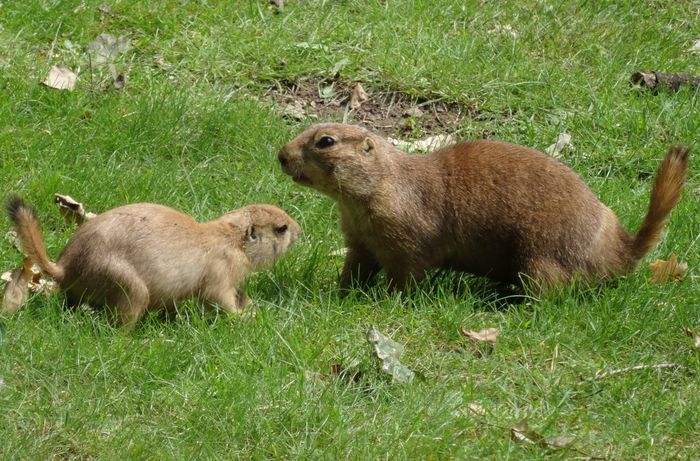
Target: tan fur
(144,256)
(486,207)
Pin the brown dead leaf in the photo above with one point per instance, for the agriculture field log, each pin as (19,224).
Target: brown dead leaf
(358,96)
(106,47)
(695,48)
(72,210)
(12,237)
(118,80)
(691,334)
(295,111)
(414,112)
(563,142)
(17,288)
(476,409)
(61,78)
(487,335)
(667,271)
(521,432)
(558,442)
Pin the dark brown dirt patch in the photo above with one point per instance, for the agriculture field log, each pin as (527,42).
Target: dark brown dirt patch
(390,113)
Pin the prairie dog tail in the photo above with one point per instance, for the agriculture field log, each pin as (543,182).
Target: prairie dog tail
(664,195)
(29,234)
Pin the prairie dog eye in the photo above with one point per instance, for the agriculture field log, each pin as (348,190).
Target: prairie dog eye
(325,141)
(281,229)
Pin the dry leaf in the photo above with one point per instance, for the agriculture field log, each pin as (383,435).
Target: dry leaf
(521,432)
(476,408)
(424,145)
(695,48)
(389,352)
(563,141)
(414,112)
(667,271)
(487,335)
(295,111)
(118,80)
(359,95)
(691,334)
(72,210)
(61,78)
(558,442)
(106,47)
(21,281)
(505,29)
(12,237)
(16,291)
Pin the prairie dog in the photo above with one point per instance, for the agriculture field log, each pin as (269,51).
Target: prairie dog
(145,256)
(486,207)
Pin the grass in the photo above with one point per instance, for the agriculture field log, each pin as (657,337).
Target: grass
(192,129)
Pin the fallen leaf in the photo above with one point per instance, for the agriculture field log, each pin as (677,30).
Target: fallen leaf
(487,335)
(118,80)
(327,92)
(424,145)
(295,111)
(12,237)
(563,141)
(340,65)
(279,4)
(558,442)
(389,352)
(72,210)
(414,112)
(667,271)
(695,48)
(61,78)
(358,96)
(16,291)
(106,47)
(691,334)
(521,432)
(503,29)
(476,408)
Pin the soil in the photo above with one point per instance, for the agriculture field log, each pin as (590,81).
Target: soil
(390,113)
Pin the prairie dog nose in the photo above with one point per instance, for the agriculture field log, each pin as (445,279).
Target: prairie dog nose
(283,157)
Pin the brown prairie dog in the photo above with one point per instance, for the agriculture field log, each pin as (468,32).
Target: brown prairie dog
(485,207)
(144,256)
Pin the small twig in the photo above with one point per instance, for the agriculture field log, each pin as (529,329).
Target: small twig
(600,375)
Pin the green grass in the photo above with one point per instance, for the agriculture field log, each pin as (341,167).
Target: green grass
(192,130)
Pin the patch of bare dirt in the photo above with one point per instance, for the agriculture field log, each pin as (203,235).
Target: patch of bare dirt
(391,113)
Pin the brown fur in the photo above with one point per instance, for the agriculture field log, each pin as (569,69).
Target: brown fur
(486,207)
(144,256)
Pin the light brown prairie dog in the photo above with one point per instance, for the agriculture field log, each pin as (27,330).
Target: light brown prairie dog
(486,207)
(144,256)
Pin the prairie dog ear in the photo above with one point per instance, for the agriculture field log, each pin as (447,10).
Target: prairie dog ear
(251,234)
(368,146)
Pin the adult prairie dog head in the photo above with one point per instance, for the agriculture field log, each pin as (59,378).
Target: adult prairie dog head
(325,156)
(268,233)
